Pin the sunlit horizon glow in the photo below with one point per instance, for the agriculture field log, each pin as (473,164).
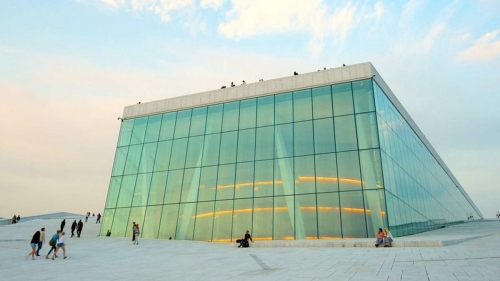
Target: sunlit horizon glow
(68,68)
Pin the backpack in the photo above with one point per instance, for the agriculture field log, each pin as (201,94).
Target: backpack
(52,243)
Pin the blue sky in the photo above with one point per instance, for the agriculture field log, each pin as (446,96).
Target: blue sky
(67,69)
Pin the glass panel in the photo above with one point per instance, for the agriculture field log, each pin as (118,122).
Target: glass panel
(190,185)
(178,156)
(208,183)
(306,223)
(353,214)
(363,96)
(173,189)
(182,124)
(283,176)
(303,138)
(126,191)
(225,183)
(283,218)
(246,145)
(148,158)
(342,99)
(153,130)
(329,223)
(168,221)
(326,173)
(264,143)
(120,158)
(283,108)
(140,125)
(114,190)
(163,156)
(125,132)
(248,113)
(133,158)
(231,116)
(348,169)
(194,152)
(151,222)
(214,119)
(107,221)
(375,211)
(120,221)
(283,141)
(229,143)
(324,137)
(345,133)
(302,105)
(204,221)
(223,218)
(141,190)
(168,126)
(263,178)
(185,221)
(371,169)
(157,189)
(304,175)
(137,216)
(244,180)
(322,102)
(198,121)
(263,219)
(366,125)
(265,111)
(242,218)
(211,150)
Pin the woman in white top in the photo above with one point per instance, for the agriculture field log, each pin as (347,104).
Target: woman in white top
(387,238)
(60,244)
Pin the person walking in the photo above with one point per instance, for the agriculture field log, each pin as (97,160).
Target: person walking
(73,227)
(42,240)
(34,242)
(79,228)
(18,218)
(98,218)
(63,223)
(52,243)
(136,234)
(60,245)
(14,219)
(87,216)
(133,231)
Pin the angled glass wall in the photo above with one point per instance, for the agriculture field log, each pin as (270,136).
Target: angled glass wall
(330,162)
(420,195)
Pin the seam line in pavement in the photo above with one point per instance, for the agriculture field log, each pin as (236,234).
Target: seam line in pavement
(260,262)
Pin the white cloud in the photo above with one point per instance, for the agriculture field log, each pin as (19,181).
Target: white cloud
(485,48)
(251,18)
(211,3)
(10,50)
(113,3)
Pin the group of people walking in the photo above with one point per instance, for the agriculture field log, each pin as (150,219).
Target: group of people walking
(58,241)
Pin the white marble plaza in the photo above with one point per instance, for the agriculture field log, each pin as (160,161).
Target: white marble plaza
(103,258)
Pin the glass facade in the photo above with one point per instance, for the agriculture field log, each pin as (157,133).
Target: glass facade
(330,162)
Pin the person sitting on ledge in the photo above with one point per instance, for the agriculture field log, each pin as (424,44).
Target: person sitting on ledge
(380,237)
(295,73)
(387,238)
(244,242)
(232,84)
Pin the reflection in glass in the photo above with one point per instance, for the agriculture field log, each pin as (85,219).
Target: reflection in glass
(153,129)
(223,218)
(302,105)
(322,102)
(348,171)
(329,225)
(168,221)
(283,218)
(204,221)
(306,226)
(185,221)
(353,214)
(342,99)
(242,218)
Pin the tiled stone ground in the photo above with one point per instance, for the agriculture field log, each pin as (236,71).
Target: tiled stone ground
(103,258)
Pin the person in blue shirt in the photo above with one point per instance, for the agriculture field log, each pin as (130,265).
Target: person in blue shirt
(52,243)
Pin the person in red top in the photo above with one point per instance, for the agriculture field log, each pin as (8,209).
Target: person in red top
(380,237)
